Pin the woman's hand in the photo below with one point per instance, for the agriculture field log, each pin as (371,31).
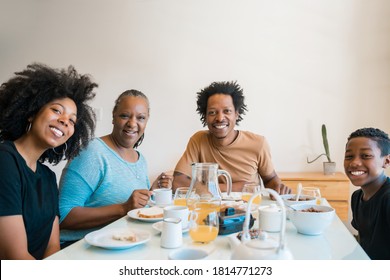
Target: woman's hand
(138,199)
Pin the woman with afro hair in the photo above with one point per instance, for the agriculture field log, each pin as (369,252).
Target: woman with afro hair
(44,116)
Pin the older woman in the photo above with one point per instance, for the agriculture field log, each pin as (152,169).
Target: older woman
(110,177)
(43,117)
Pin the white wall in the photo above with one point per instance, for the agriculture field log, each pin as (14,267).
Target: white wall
(301,63)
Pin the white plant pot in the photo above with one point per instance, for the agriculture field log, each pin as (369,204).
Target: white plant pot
(329,168)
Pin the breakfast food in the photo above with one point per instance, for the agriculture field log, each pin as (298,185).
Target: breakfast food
(128,236)
(311,209)
(254,233)
(301,198)
(151,213)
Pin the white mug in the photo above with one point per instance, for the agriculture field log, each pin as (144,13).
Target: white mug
(171,235)
(161,197)
(177,212)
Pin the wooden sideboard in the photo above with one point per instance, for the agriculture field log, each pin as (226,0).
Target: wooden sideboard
(335,188)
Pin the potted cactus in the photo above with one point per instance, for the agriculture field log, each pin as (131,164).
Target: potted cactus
(329,166)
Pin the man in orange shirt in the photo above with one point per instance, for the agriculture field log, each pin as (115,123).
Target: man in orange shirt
(245,155)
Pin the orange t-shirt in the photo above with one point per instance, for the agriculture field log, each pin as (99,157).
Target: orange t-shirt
(246,158)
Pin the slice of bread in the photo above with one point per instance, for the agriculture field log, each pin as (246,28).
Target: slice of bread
(128,236)
(151,213)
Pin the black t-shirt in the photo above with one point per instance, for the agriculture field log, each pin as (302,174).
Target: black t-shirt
(34,195)
(372,219)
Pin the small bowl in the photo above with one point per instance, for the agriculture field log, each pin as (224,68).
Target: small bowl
(289,199)
(311,223)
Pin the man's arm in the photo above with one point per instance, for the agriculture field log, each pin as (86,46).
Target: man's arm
(180,180)
(273,182)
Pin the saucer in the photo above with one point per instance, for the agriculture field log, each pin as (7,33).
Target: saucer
(151,204)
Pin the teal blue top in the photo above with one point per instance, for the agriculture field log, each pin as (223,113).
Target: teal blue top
(98,177)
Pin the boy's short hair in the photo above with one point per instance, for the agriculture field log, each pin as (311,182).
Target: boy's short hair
(379,136)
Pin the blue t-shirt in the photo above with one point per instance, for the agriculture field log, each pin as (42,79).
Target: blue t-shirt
(98,177)
(33,195)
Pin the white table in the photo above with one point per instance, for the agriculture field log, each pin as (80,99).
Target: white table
(335,243)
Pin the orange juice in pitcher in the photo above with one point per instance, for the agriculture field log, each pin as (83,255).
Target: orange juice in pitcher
(203,233)
(204,221)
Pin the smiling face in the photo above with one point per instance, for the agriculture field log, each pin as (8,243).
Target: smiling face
(129,120)
(363,162)
(54,124)
(221,118)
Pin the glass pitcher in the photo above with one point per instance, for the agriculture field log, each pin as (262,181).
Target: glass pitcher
(204,185)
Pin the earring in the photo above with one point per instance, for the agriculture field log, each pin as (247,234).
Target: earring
(63,151)
(28,127)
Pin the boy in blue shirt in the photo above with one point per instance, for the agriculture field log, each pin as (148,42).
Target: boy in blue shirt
(367,154)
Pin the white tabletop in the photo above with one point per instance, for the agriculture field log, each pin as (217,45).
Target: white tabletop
(335,243)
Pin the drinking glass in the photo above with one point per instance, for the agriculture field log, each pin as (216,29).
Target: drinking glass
(204,222)
(179,197)
(248,190)
(313,192)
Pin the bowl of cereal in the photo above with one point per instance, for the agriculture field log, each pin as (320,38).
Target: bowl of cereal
(311,219)
(290,199)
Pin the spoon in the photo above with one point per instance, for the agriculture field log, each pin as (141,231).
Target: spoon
(299,190)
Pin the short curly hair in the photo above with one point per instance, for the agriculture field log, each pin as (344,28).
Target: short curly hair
(377,135)
(134,93)
(229,88)
(22,96)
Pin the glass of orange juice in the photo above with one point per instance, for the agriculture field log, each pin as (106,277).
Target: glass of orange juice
(204,222)
(179,198)
(248,190)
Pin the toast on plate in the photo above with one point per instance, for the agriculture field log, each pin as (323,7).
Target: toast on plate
(128,236)
(151,213)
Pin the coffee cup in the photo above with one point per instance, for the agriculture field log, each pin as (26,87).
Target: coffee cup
(177,212)
(161,197)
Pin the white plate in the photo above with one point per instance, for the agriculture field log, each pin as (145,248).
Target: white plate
(134,215)
(158,226)
(104,238)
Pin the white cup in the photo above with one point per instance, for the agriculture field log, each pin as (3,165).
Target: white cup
(177,212)
(270,218)
(171,235)
(162,197)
